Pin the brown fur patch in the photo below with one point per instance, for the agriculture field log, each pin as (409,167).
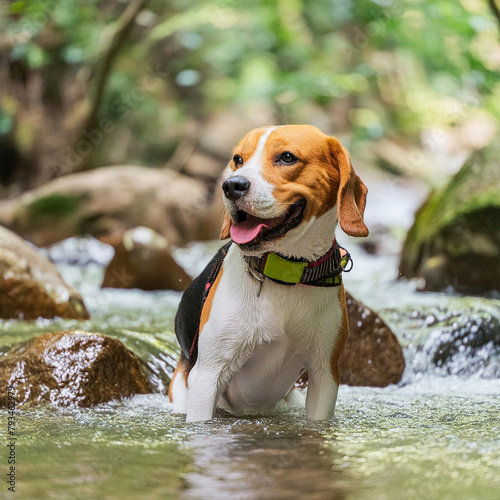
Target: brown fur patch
(180,370)
(351,194)
(226,227)
(339,346)
(312,178)
(207,307)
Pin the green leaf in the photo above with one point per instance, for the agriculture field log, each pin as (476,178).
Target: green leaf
(17,7)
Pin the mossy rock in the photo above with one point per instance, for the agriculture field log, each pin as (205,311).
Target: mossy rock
(455,239)
(107,201)
(55,204)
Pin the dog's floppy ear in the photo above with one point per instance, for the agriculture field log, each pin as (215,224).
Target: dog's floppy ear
(226,226)
(351,197)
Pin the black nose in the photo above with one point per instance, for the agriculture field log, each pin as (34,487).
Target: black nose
(235,187)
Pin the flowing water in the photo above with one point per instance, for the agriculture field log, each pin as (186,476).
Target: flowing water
(435,436)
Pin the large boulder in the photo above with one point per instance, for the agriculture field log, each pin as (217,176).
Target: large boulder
(455,239)
(373,355)
(143,260)
(72,368)
(31,286)
(107,201)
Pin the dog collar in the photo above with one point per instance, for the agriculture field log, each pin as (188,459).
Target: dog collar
(325,272)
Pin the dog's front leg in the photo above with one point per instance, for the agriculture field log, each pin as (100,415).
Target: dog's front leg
(321,395)
(203,392)
(210,374)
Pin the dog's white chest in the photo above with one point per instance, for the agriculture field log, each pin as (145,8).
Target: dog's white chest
(270,339)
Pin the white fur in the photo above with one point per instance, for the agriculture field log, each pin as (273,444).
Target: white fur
(311,240)
(179,392)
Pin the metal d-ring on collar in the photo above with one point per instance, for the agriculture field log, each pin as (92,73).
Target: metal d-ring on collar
(256,275)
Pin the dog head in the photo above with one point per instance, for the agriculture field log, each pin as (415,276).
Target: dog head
(283,182)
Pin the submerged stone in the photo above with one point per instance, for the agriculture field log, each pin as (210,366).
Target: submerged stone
(466,335)
(455,239)
(73,368)
(373,355)
(31,286)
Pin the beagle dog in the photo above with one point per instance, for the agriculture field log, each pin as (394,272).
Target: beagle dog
(271,304)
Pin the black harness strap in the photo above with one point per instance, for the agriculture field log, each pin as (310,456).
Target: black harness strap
(187,319)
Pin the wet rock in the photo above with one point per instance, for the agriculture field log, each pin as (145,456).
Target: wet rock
(460,341)
(73,368)
(373,355)
(455,239)
(463,336)
(31,286)
(143,260)
(105,202)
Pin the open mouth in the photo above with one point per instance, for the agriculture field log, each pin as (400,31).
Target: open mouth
(249,231)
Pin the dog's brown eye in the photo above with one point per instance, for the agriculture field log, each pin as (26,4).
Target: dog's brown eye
(287,158)
(238,160)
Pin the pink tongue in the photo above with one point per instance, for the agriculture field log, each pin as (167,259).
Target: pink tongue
(246,231)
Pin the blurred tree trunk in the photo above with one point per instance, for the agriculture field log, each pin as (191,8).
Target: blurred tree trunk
(495,10)
(118,33)
(54,107)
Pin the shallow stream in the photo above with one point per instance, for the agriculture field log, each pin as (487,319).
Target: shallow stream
(435,436)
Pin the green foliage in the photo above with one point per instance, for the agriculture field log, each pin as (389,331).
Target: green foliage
(52,29)
(414,54)
(403,65)
(6,122)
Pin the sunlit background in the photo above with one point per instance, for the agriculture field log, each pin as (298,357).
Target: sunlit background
(117,119)
(411,86)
